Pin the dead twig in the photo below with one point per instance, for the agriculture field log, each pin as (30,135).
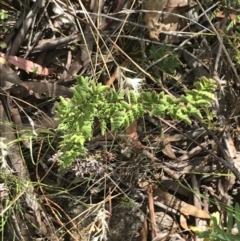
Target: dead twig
(151,212)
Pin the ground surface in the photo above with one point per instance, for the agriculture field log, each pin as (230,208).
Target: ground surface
(155,178)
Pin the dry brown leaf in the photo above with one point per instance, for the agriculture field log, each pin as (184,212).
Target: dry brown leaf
(179,3)
(166,139)
(152,212)
(114,75)
(144,232)
(183,222)
(165,22)
(132,129)
(173,202)
(152,19)
(144,184)
(132,137)
(232,146)
(167,150)
(230,16)
(27,65)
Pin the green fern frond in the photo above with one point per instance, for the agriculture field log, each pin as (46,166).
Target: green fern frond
(93,100)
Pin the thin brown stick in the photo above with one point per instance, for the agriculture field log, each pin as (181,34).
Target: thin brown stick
(151,212)
(114,75)
(144,232)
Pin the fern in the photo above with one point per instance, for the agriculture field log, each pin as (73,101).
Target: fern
(169,60)
(91,101)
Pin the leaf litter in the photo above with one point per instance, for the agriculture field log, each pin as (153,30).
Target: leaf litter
(47,45)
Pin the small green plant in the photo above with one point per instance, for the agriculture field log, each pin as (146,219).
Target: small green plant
(192,103)
(170,60)
(217,231)
(3,14)
(91,101)
(126,202)
(3,24)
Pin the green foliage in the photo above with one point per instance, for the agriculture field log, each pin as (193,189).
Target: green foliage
(193,103)
(3,45)
(126,202)
(3,25)
(3,14)
(169,60)
(77,115)
(217,231)
(91,101)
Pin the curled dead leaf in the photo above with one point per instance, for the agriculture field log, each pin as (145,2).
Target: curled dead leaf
(175,203)
(183,222)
